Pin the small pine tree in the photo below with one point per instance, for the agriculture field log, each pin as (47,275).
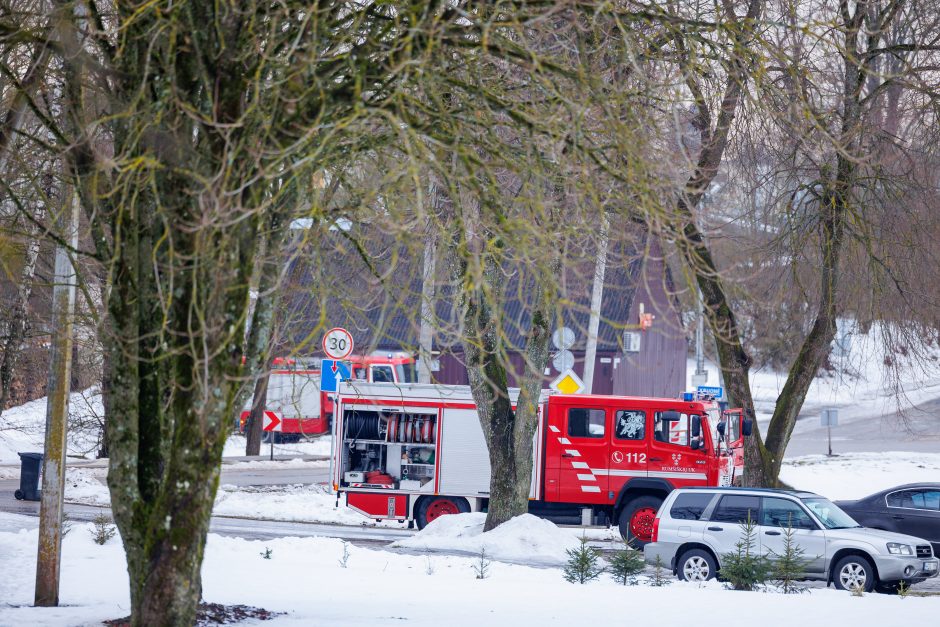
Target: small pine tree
(903,589)
(482,566)
(626,564)
(583,563)
(103,529)
(744,568)
(658,580)
(789,565)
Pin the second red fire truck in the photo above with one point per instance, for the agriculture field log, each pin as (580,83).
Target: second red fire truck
(302,409)
(417,452)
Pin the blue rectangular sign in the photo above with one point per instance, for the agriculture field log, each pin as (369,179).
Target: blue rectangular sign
(711,390)
(331,372)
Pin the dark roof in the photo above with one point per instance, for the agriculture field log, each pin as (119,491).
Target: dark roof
(381,306)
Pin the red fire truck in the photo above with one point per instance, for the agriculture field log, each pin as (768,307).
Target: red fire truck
(295,398)
(416,452)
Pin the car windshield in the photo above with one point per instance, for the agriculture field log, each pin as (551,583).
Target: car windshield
(829,514)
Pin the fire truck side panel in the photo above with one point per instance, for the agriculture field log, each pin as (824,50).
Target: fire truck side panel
(464,463)
(378,504)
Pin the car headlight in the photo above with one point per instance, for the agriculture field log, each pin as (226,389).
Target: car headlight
(896,548)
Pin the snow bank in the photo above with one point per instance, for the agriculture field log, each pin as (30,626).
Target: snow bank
(524,538)
(305,579)
(855,475)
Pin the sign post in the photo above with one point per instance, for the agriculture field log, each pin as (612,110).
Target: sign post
(829,419)
(271,423)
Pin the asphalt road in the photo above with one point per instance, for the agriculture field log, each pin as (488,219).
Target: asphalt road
(916,430)
(249,529)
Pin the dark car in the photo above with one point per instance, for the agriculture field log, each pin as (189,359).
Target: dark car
(913,509)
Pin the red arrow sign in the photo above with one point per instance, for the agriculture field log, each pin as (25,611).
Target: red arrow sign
(272,422)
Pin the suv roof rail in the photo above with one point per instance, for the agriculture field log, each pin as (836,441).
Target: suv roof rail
(799,493)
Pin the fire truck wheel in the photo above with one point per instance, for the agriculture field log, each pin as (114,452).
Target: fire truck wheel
(432,508)
(696,565)
(636,520)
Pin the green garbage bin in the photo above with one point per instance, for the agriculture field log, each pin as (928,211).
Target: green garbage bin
(30,475)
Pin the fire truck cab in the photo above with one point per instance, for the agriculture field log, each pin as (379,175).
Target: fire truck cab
(416,452)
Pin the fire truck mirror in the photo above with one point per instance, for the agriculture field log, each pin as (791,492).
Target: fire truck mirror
(746,427)
(695,444)
(669,416)
(721,428)
(696,426)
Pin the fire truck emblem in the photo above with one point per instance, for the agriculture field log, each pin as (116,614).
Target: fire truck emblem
(617,456)
(676,458)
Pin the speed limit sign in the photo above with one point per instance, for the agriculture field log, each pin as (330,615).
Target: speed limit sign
(337,343)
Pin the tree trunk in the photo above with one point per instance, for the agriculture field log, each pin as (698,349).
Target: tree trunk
(253,428)
(18,322)
(508,433)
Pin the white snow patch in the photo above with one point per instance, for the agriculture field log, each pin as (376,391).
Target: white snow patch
(523,538)
(87,485)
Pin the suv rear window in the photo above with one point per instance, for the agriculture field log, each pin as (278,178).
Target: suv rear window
(735,508)
(690,505)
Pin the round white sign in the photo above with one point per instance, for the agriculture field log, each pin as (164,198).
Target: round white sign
(563,338)
(563,360)
(337,343)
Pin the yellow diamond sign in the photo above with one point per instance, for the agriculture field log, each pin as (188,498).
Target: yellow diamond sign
(567,383)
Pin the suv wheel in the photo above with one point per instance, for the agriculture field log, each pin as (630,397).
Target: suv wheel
(853,572)
(696,565)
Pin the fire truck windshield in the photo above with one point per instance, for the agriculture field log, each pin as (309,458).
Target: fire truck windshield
(406,373)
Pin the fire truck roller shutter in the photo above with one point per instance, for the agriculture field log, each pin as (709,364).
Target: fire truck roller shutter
(636,507)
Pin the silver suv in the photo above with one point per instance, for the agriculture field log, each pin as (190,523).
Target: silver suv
(695,527)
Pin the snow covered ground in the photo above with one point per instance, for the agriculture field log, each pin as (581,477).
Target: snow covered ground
(306,578)
(235,447)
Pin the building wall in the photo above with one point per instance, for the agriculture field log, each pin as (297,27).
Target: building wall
(659,368)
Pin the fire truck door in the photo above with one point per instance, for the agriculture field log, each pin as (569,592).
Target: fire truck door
(629,451)
(583,449)
(671,455)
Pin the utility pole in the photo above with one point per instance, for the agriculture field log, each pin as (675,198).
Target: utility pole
(597,299)
(700,377)
(57,410)
(426,328)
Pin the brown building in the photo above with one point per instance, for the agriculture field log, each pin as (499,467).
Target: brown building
(629,361)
